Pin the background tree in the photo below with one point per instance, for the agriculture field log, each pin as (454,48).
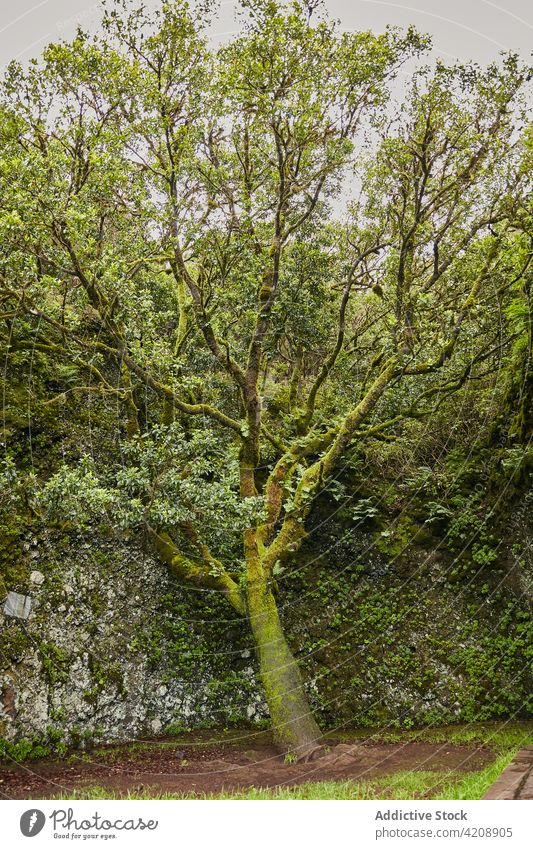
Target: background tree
(169,239)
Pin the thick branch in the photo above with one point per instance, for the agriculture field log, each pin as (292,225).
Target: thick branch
(313,443)
(292,530)
(209,574)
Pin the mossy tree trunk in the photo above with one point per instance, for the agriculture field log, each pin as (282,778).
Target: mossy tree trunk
(293,726)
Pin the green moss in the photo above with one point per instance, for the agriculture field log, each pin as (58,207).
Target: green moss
(55,663)
(398,537)
(32,748)
(14,568)
(104,675)
(374,631)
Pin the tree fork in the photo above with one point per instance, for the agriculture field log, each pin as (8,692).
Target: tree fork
(294,728)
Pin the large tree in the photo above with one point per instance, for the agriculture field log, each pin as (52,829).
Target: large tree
(262,262)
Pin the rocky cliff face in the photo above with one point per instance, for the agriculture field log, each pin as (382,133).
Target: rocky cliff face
(113,648)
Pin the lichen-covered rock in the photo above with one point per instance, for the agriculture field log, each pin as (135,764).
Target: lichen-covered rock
(114,648)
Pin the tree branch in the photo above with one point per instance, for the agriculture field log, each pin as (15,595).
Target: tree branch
(209,574)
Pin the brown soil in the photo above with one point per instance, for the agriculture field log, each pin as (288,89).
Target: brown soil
(205,766)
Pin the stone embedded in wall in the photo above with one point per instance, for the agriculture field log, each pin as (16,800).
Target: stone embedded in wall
(17,605)
(36,577)
(8,701)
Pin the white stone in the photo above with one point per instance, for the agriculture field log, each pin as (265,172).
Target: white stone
(36,577)
(17,605)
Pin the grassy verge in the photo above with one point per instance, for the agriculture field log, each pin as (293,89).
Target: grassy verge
(500,737)
(473,784)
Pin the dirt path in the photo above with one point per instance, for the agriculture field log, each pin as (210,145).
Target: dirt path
(159,768)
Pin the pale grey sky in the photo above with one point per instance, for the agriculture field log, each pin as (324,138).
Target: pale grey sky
(463,29)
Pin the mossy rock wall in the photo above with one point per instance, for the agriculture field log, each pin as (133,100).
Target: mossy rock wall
(115,648)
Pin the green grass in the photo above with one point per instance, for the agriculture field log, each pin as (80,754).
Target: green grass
(246,738)
(498,736)
(473,784)
(400,785)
